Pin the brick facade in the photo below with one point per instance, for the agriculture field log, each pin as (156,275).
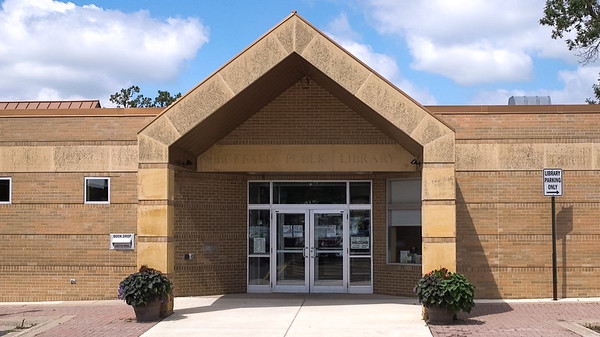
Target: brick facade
(504,222)
(49,235)
(211,208)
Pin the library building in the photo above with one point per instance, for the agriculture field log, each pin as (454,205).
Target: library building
(296,168)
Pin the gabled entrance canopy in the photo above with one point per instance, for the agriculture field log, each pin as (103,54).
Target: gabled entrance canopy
(290,51)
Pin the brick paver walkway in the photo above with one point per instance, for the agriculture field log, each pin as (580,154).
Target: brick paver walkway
(101,318)
(115,318)
(519,319)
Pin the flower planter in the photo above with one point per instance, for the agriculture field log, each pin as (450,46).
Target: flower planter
(166,308)
(439,315)
(147,313)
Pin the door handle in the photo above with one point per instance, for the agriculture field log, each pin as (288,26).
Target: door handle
(304,252)
(312,253)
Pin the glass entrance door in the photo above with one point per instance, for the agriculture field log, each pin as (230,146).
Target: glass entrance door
(328,261)
(310,255)
(291,253)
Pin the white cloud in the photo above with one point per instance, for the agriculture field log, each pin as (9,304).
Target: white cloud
(471,41)
(383,64)
(577,87)
(471,63)
(56,50)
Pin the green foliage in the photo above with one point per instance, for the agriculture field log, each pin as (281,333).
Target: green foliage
(131,98)
(447,290)
(145,286)
(580,16)
(125,99)
(164,99)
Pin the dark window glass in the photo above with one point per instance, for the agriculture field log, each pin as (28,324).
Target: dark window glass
(258,193)
(360,193)
(309,193)
(405,244)
(4,190)
(96,190)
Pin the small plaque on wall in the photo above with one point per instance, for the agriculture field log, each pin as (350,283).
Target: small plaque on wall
(122,241)
(210,248)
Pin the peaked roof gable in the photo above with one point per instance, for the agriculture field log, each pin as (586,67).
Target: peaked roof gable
(292,49)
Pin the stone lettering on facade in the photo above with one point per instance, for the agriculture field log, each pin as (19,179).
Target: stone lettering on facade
(305,158)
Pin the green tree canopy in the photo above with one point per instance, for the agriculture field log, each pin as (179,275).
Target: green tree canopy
(580,16)
(164,98)
(131,98)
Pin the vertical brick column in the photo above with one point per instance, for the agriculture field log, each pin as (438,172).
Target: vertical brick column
(155,229)
(439,204)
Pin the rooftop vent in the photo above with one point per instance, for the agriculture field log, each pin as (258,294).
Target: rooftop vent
(529,100)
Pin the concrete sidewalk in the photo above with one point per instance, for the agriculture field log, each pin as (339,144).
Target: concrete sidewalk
(292,315)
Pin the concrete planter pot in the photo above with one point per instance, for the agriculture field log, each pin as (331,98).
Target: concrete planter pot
(166,308)
(147,313)
(437,315)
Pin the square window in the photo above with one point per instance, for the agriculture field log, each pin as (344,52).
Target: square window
(97,190)
(5,190)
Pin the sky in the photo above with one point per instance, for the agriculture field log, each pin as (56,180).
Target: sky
(440,52)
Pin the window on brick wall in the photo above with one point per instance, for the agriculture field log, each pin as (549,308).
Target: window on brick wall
(404,221)
(5,190)
(97,190)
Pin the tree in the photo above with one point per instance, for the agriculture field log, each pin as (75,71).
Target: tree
(582,17)
(125,98)
(164,99)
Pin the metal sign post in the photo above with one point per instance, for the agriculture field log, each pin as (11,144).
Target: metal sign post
(552,188)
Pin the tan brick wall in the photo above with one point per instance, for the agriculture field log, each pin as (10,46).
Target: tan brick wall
(212,208)
(71,128)
(504,222)
(306,114)
(49,235)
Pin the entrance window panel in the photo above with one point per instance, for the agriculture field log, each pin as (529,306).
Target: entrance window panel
(259,193)
(360,232)
(329,269)
(328,249)
(290,249)
(360,192)
(258,270)
(360,271)
(404,221)
(259,228)
(309,193)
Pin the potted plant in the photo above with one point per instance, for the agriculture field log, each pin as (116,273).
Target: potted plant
(444,294)
(146,290)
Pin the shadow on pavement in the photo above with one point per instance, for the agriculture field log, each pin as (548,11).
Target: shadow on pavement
(240,301)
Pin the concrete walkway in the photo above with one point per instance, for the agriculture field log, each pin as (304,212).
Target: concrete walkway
(292,315)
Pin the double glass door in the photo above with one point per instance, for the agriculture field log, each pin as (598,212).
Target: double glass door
(311,251)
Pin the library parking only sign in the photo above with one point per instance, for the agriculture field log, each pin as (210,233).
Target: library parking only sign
(553,182)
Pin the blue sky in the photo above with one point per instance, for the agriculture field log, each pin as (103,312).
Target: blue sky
(439,52)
